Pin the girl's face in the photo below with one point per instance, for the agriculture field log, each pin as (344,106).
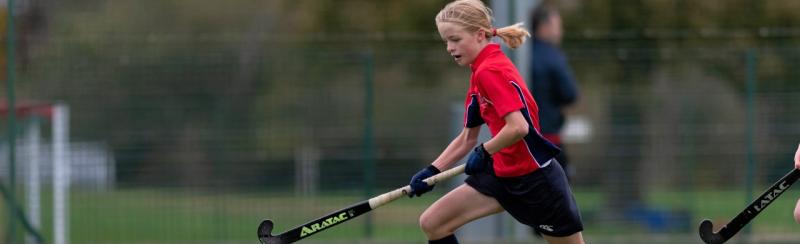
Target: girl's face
(461,44)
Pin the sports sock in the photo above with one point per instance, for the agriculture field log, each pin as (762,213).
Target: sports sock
(451,239)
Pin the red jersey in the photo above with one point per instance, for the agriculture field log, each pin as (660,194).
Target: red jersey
(495,90)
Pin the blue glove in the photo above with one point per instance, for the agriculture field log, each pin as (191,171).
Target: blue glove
(418,187)
(478,160)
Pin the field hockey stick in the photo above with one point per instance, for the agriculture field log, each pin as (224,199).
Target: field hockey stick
(345,214)
(749,213)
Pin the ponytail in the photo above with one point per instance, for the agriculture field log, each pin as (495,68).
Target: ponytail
(513,35)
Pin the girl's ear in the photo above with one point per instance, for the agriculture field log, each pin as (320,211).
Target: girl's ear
(481,35)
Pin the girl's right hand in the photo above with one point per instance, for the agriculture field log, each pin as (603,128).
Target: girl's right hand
(418,186)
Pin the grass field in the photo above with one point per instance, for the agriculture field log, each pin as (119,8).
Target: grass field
(165,216)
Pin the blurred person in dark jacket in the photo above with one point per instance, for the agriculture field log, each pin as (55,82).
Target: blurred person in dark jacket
(552,83)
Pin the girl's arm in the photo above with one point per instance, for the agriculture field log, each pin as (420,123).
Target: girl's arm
(458,148)
(797,165)
(797,158)
(515,129)
(797,212)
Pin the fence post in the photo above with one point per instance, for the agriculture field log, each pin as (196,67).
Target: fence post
(368,141)
(12,130)
(751,80)
(61,173)
(33,179)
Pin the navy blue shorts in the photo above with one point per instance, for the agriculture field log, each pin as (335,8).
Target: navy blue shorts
(541,199)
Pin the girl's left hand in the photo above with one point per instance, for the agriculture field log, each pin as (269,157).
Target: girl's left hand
(478,160)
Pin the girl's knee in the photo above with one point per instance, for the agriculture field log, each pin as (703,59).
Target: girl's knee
(426,223)
(431,226)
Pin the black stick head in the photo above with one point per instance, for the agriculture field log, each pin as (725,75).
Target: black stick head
(265,233)
(708,235)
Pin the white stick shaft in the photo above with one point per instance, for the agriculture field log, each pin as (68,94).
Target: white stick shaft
(388,197)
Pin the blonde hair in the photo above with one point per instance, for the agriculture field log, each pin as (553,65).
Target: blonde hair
(473,16)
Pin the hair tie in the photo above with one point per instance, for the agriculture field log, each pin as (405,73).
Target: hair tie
(494,32)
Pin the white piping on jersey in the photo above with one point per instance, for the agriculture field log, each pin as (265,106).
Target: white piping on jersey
(547,163)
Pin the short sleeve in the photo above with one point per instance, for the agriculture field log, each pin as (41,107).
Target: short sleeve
(472,115)
(505,94)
